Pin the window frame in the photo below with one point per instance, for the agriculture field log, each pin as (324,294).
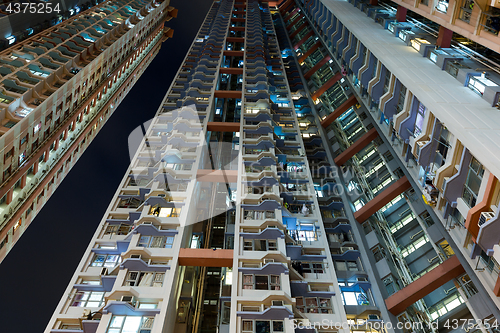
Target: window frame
(271,284)
(156,242)
(135,282)
(316,307)
(94,262)
(88,299)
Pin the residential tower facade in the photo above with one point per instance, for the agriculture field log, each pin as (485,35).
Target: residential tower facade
(315,166)
(59,87)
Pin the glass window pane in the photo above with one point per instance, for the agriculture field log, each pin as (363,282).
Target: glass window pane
(247,325)
(261,282)
(98,260)
(311,301)
(96,296)
(117,321)
(131,324)
(474,182)
(93,304)
(278,326)
(262,326)
(350,298)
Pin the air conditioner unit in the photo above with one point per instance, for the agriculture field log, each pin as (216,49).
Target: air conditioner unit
(346,248)
(147,222)
(485,217)
(135,256)
(278,303)
(266,261)
(362,279)
(104,271)
(373,317)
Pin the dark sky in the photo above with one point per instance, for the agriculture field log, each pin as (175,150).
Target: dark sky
(35,274)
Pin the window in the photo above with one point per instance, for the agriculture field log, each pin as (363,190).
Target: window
(307,232)
(473,183)
(401,223)
(9,153)
(492,23)
(262,326)
(165,211)
(37,128)
(354,298)
(129,203)
(260,245)
(314,305)
(144,279)
(261,282)
(105,260)
(393,202)
(410,248)
(388,156)
(387,81)
(445,306)
(39,73)
(22,156)
(378,253)
(10,124)
(390,285)
(442,6)
(419,120)
(401,99)
(466,10)
(258,215)
(442,148)
(24,139)
(313,267)
(88,299)
(358,204)
(156,241)
(346,265)
(490,263)
(130,324)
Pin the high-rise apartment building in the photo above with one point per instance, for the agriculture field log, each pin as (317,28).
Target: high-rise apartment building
(58,89)
(20,20)
(315,166)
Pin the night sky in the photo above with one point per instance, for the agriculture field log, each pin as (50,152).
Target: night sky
(35,274)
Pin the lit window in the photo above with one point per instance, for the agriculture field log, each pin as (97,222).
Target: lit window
(144,279)
(130,324)
(88,299)
(358,204)
(105,260)
(156,241)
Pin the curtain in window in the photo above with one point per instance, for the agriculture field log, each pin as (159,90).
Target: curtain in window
(158,280)
(157,242)
(146,280)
